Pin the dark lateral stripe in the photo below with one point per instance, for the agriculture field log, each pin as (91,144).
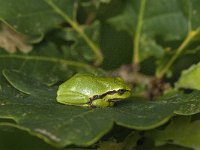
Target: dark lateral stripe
(120,91)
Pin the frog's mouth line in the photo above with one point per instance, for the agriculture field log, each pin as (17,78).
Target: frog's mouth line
(120,92)
(114,100)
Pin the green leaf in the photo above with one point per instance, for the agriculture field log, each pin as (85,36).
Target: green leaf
(20,140)
(129,143)
(181,131)
(112,43)
(162,62)
(170,147)
(33,17)
(96,3)
(190,78)
(189,102)
(79,48)
(48,70)
(166,18)
(126,20)
(149,48)
(60,125)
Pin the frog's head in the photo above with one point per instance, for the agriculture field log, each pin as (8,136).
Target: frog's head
(118,90)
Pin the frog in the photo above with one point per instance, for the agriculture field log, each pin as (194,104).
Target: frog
(89,90)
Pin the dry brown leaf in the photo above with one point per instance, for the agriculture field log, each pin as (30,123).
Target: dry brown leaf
(11,40)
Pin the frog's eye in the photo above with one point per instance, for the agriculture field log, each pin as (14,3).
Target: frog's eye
(121,91)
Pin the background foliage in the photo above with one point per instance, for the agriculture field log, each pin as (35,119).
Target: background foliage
(153,45)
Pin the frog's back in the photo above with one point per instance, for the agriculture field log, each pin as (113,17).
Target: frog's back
(84,83)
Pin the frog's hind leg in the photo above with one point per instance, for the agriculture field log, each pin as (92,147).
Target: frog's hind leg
(73,98)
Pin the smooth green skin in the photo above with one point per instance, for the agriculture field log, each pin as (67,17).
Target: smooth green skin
(80,89)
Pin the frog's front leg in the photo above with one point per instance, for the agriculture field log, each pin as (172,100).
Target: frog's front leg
(73,98)
(101,103)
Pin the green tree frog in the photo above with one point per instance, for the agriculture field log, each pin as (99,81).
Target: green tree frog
(92,91)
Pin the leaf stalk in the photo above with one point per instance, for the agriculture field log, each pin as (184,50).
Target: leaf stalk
(136,41)
(190,36)
(76,27)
